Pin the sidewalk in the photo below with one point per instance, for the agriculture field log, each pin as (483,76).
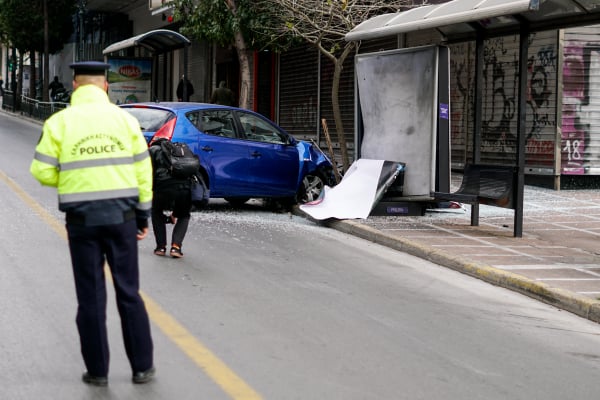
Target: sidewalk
(556,261)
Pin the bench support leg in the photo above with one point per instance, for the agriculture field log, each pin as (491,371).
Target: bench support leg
(475,214)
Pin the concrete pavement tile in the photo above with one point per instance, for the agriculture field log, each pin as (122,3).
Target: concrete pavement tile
(565,273)
(589,288)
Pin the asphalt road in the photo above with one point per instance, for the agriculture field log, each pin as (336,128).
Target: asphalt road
(271,306)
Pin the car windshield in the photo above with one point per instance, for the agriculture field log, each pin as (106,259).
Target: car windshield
(150,119)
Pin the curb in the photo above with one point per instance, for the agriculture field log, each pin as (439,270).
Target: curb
(582,306)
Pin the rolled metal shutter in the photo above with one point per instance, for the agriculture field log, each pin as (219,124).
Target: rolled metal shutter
(198,64)
(500,108)
(299,92)
(580,154)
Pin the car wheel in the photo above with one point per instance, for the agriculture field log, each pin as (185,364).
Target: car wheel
(237,201)
(310,189)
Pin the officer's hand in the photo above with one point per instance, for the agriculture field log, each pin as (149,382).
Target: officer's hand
(142,233)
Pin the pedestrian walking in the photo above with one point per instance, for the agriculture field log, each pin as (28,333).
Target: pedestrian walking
(171,203)
(95,155)
(222,95)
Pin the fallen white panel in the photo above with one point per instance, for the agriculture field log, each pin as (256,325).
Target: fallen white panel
(363,186)
(353,197)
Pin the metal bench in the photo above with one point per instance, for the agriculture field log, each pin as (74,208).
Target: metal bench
(484,184)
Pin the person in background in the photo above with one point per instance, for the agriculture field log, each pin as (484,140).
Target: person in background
(54,86)
(222,95)
(94,153)
(189,89)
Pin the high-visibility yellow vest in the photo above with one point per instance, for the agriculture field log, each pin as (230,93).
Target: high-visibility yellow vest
(93,150)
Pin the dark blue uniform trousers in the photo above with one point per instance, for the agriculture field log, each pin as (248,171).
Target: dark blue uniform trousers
(90,246)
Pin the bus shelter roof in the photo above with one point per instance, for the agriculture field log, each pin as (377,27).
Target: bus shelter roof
(157,41)
(461,19)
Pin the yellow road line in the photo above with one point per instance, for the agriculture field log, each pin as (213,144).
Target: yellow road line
(216,369)
(233,385)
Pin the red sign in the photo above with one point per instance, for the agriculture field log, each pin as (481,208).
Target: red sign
(130,71)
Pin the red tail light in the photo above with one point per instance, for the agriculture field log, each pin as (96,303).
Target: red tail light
(165,132)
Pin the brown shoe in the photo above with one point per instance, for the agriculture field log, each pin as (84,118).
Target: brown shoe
(160,251)
(176,252)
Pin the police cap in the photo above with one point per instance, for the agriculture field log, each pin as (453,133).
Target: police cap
(89,68)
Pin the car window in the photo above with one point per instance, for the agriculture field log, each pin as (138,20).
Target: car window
(150,119)
(257,129)
(214,122)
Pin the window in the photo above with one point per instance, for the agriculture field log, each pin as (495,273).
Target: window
(257,129)
(150,119)
(214,122)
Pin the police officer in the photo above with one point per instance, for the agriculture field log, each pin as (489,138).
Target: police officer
(95,155)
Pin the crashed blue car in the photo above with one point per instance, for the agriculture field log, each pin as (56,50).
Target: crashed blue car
(243,155)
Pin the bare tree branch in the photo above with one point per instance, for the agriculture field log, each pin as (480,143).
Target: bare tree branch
(324,24)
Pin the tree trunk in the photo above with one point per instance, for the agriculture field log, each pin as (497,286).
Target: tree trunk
(337,114)
(244,60)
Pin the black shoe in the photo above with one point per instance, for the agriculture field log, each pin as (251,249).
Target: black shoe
(94,380)
(144,376)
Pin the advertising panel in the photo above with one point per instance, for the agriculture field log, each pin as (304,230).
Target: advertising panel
(398,94)
(130,80)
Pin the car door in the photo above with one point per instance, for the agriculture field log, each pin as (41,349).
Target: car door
(222,153)
(273,161)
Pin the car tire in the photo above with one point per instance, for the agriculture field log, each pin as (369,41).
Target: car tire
(237,201)
(310,188)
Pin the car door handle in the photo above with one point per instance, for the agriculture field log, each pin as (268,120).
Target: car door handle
(255,154)
(208,149)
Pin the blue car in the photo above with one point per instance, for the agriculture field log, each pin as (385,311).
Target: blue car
(243,155)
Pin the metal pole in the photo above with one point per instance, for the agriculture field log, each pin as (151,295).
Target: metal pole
(520,186)
(185,73)
(478,100)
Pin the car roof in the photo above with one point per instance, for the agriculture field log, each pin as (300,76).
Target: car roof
(178,106)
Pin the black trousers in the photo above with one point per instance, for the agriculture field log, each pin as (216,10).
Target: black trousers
(178,201)
(90,247)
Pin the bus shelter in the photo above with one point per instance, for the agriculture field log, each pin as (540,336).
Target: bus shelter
(156,42)
(478,20)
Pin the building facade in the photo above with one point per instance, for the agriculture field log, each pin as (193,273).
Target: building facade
(294,89)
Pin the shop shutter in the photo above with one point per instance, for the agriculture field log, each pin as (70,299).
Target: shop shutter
(500,101)
(298,92)
(197,66)
(382,44)
(580,146)
(543,98)
(462,73)
(423,38)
